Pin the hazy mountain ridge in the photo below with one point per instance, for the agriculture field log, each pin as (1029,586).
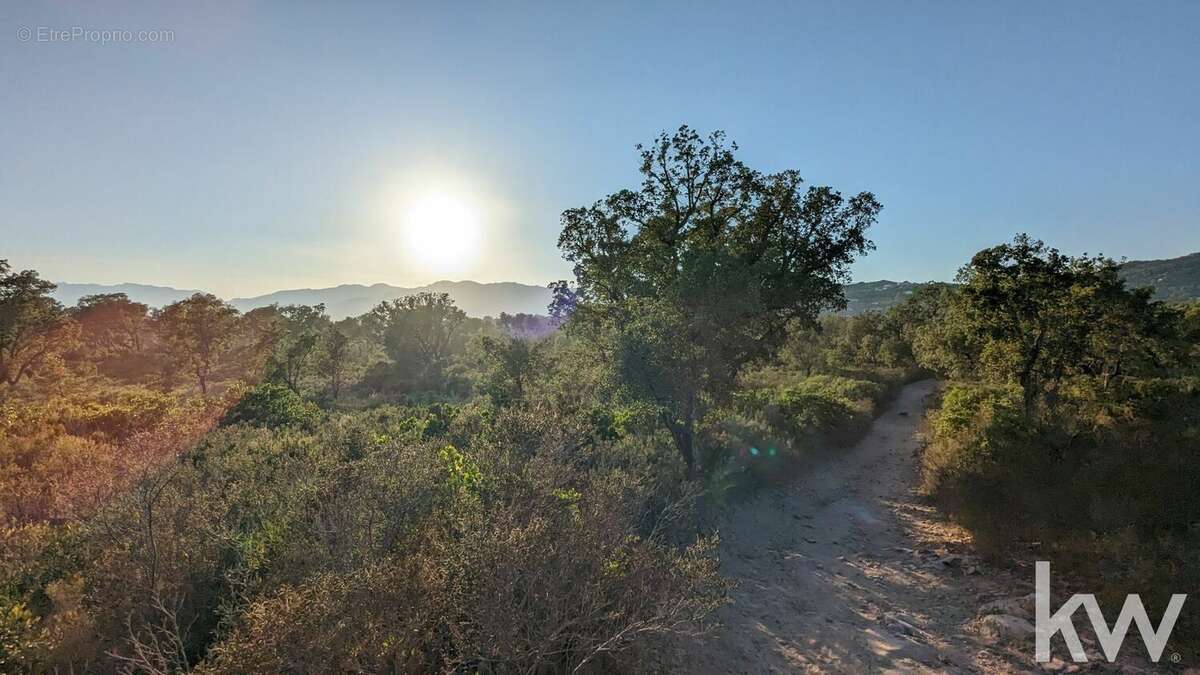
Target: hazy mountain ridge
(475,298)
(156,296)
(1173,279)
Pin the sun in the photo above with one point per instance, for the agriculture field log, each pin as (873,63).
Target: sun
(442,230)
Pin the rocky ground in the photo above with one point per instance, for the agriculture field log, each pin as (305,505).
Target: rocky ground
(849,570)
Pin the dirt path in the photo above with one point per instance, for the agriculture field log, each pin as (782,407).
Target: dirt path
(849,571)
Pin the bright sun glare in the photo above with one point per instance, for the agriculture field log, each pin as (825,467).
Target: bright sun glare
(442,231)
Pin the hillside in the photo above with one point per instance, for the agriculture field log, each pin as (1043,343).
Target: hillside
(154,296)
(476,299)
(876,296)
(1172,279)
(472,297)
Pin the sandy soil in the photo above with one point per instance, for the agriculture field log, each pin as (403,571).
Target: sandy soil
(848,570)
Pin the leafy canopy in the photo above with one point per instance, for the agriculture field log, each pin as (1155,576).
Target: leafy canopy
(34,328)
(1030,315)
(701,269)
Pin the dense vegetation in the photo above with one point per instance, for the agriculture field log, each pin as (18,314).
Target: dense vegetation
(1072,421)
(192,488)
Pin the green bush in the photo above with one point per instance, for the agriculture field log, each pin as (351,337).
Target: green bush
(779,420)
(272,405)
(1101,483)
(816,411)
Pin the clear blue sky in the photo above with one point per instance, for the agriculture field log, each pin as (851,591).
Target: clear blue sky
(252,152)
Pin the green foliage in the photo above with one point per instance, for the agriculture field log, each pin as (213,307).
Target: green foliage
(115,336)
(119,414)
(34,329)
(1029,315)
(355,538)
(508,365)
(198,332)
(334,358)
(298,331)
(19,636)
(272,405)
(698,272)
(464,474)
(1101,483)
(419,334)
(817,409)
(522,510)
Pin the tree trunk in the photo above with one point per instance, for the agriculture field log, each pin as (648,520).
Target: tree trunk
(684,434)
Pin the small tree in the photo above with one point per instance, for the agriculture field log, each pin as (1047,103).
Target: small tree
(699,271)
(508,364)
(197,332)
(258,333)
(34,328)
(300,328)
(417,332)
(333,358)
(111,323)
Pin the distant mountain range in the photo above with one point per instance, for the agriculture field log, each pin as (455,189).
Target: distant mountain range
(472,297)
(1173,279)
(155,296)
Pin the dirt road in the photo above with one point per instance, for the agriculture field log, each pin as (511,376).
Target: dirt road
(847,570)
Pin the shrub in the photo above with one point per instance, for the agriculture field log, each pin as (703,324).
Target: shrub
(118,415)
(1101,483)
(364,543)
(272,405)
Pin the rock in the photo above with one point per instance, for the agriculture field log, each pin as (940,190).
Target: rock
(1006,629)
(899,626)
(957,560)
(1022,607)
(1057,665)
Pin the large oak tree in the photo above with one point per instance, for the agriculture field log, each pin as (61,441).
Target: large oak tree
(1029,315)
(700,270)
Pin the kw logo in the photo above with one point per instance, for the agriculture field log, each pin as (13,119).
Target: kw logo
(1110,640)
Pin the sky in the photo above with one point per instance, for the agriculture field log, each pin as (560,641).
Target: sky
(270,145)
